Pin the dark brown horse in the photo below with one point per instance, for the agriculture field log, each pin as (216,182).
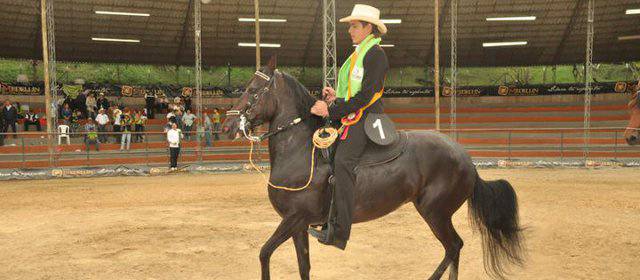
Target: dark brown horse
(434,173)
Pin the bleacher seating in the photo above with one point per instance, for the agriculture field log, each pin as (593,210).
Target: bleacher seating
(492,130)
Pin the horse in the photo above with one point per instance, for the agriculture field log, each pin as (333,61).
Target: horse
(434,173)
(632,133)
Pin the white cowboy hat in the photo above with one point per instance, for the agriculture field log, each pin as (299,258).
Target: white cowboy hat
(366,13)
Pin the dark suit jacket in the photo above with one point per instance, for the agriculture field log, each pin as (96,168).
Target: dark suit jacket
(10,114)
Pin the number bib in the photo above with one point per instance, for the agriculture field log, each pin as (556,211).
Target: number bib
(380,129)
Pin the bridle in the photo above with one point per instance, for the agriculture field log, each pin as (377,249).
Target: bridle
(318,141)
(245,123)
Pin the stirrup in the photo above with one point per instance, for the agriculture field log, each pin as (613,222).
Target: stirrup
(323,235)
(326,236)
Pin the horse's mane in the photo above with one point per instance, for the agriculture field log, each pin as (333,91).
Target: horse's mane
(304,101)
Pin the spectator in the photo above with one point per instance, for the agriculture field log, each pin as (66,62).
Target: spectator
(103,102)
(186,100)
(116,116)
(188,120)
(119,103)
(91,136)
(21,110)
(81,104)
(66,114)
(208,128)
(42,121)
(92,105)
(139,120)
(174,135)
(150,100)
(103,120)
(10,117)
(179,119)
(75,121)
(171,115)
(163,105)
(31,119)
(177,100)
(166,127)
(67,101)
(126,132)
(177,104)
(216,124)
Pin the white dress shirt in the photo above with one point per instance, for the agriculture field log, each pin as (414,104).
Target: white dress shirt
(173,137)
(102,119)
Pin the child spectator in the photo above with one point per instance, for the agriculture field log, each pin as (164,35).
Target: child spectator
(91,136)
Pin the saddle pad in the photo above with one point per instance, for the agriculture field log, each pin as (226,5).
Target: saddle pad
(376,154)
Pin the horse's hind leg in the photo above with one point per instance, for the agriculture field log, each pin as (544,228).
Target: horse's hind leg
(440,223)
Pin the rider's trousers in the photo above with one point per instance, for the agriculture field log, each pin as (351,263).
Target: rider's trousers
(347,157)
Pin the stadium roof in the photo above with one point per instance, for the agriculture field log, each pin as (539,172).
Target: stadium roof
(556,36)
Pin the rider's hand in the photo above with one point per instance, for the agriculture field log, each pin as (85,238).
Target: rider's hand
(328,94)
(320,109)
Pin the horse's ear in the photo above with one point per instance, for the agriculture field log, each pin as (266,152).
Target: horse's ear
(272,63)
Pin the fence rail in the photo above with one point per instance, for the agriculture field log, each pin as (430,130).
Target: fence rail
(30,150)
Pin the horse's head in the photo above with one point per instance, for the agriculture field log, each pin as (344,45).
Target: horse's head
(631,134)
(257,103)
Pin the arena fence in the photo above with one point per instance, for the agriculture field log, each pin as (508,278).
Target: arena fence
(26,155)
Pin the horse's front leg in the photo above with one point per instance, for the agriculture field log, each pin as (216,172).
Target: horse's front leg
(286,229)
(301,241)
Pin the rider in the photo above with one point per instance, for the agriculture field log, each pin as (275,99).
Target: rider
(359,88)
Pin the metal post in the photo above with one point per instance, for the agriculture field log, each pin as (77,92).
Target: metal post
(615,145)
(48,59)
(87,147)
(197,14)
(24,162)
(329,63)
(509,145)
(454,66)
(436,60)
(256,7)
(561,146)
(587,78)
(146,147)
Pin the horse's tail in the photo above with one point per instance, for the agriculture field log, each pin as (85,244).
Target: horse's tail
(493,210)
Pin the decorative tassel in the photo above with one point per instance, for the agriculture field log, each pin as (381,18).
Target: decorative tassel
(345,133)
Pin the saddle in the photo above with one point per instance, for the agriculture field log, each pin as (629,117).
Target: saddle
(376,154)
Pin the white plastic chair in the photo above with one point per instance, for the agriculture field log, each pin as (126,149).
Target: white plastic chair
(63,132)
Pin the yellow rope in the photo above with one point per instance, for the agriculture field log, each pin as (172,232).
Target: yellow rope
(318,142)
(325,142)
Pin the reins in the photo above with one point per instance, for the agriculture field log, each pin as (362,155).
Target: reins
(322,138)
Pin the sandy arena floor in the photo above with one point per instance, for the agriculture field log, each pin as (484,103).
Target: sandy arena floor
(581,225)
